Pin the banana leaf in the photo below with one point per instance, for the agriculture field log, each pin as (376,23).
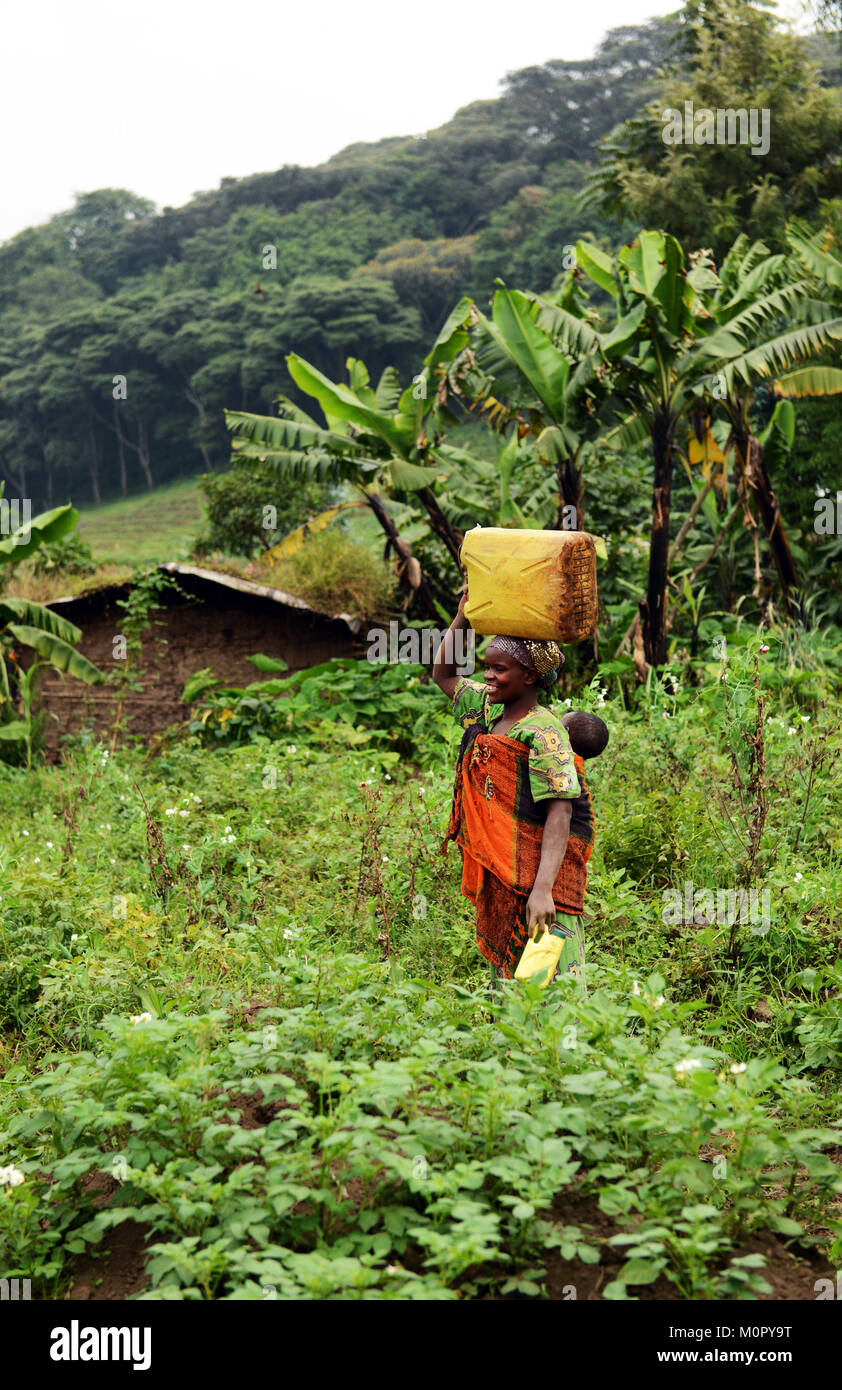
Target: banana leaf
(23,610)
(49,526)
(291,544)
(59,654)
(14,732)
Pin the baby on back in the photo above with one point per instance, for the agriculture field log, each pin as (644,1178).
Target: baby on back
(588,733)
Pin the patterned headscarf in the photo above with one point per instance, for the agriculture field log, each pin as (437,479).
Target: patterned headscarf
(545,658)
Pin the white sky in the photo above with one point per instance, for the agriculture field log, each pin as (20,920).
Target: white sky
(166,97)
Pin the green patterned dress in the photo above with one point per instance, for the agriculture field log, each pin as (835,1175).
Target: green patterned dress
(552,773)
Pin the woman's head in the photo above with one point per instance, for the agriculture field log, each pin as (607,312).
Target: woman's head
(513,664)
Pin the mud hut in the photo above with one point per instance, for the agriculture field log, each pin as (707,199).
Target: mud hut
(210,619)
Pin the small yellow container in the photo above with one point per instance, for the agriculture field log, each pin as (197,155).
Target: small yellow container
(540,957)
(539,584)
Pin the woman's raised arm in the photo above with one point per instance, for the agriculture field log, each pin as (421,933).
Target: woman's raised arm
(444,666)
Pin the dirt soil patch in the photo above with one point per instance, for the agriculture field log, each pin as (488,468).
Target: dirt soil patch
(790,1273)
(116,1269)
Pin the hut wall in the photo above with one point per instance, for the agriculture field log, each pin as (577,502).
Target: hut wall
(215,627)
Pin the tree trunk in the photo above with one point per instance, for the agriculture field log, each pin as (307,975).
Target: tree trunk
(757,480)
(121,452)
(570,493)
(653,608)
(94,465)
(452,539)
(403,551)
(194,400)
(143,453)
(16,483)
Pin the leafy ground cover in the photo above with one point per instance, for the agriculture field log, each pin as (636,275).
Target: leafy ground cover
(249,1049)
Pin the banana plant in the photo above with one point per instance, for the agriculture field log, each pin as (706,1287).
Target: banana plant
(516,371)
(374,438)
(682,342)
(769,317)
(24,623)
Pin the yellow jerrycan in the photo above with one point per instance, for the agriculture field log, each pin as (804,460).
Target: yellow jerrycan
(539,584)
(540,958)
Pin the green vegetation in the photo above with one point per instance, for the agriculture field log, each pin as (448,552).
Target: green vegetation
(145,529)
(26,626)
(246,1033)
(265,1040)
(334,572)
(368,252)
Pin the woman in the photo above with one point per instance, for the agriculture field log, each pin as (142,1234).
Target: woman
(522,813)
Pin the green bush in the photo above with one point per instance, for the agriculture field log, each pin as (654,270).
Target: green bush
(72,555)
(334,573)
(236,506)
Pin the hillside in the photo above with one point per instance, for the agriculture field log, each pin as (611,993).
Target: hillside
(370,250)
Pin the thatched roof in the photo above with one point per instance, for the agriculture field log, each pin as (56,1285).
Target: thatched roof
(225,581)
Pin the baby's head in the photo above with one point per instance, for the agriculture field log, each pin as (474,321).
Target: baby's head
(588,733)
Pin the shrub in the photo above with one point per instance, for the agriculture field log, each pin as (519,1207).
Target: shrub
(335,573)
(235,509)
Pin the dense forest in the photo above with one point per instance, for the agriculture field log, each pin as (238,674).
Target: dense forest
(125,332)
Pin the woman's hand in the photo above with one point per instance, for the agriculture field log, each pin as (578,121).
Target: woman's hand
(540,910)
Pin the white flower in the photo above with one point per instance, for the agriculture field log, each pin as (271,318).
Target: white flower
(170,811)
(387,778)
(197,799)
(227,830)
(737,1068)
(791,731)
(385,858)
(291,748)
(11,1176)
(636,988)
(764,649)
(36,860)
(290,934)
(74,936)
(140,1018)
(422,791)
(182,813)
(659,1001)
(798,877)
(805,719)
(26,832)
(49,844)
(687,1065)
(186,848)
